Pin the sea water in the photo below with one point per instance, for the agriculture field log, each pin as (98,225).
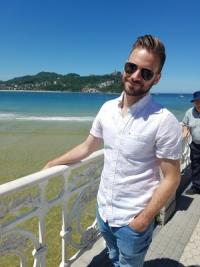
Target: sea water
(54,106)
(38,126)
(58,106)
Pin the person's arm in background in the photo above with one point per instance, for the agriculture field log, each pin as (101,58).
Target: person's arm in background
(186,131)
(185,127)
(78,153)
(170,182)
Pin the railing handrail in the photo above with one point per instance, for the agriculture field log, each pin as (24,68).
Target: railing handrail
(43,175)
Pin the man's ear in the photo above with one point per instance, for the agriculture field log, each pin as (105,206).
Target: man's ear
(157,78)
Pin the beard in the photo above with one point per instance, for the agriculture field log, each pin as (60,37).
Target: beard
(139,92)
(136,89)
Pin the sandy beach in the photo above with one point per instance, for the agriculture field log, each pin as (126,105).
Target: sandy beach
(27,146)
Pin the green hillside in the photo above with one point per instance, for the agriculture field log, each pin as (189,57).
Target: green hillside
(69,82)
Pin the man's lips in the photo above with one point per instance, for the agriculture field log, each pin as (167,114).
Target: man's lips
(133,83)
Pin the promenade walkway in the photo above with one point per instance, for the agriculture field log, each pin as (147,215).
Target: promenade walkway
(177,244)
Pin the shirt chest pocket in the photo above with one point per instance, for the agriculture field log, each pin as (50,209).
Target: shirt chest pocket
(135,145)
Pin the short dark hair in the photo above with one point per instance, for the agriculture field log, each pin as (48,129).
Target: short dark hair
(153,45)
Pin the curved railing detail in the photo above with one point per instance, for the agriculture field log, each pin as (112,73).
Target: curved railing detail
(27,198)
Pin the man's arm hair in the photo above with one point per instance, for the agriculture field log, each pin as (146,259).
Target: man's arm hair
(78,153)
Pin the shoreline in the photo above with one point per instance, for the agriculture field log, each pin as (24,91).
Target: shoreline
(78,92)
(58,91)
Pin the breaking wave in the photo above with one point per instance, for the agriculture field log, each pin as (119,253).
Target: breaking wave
(5,116)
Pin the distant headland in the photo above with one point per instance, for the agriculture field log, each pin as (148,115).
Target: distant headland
(71,82)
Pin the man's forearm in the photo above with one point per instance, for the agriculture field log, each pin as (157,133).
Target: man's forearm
(168,185)
(159,198)
(72,156)
(76,154)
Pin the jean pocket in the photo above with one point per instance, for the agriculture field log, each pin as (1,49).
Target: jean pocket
(135,231)
(149,228)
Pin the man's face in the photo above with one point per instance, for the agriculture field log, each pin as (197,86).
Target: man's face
(197,105)
(134,84)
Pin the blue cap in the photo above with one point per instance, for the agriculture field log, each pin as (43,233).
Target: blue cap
(196,96)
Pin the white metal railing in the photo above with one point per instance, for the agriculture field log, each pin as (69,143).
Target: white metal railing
(27,197)
(185,159)
(80,182)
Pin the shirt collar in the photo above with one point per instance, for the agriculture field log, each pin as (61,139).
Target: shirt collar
(136,106)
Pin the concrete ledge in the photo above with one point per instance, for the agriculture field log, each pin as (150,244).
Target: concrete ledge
(185,180)
(167,211)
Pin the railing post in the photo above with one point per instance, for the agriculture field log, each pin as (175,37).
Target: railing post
(39,254)
(64,233)
(22,259)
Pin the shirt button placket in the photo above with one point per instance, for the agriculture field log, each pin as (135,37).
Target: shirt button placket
(113,166)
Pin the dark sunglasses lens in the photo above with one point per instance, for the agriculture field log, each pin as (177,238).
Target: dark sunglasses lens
(130,68)
(147,74)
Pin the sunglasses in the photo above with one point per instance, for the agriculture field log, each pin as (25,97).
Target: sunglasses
(130,68)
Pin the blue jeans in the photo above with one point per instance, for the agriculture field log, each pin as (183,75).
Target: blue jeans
(126,247)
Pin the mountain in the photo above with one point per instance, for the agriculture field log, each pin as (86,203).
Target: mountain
(69,82)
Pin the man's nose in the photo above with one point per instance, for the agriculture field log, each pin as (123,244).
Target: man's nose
(136,75)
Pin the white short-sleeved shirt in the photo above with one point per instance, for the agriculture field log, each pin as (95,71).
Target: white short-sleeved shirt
(132,145)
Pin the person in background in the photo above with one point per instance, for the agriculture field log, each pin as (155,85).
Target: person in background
(140,137)
(191,127)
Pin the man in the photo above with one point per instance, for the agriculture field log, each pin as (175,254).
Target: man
(140,137)
(191,126)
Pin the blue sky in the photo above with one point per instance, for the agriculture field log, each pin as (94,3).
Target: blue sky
(95,37)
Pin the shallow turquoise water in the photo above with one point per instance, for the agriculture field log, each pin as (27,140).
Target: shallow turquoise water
(71,106)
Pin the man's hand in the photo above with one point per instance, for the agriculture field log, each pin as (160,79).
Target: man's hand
(48,165)
(139,223)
